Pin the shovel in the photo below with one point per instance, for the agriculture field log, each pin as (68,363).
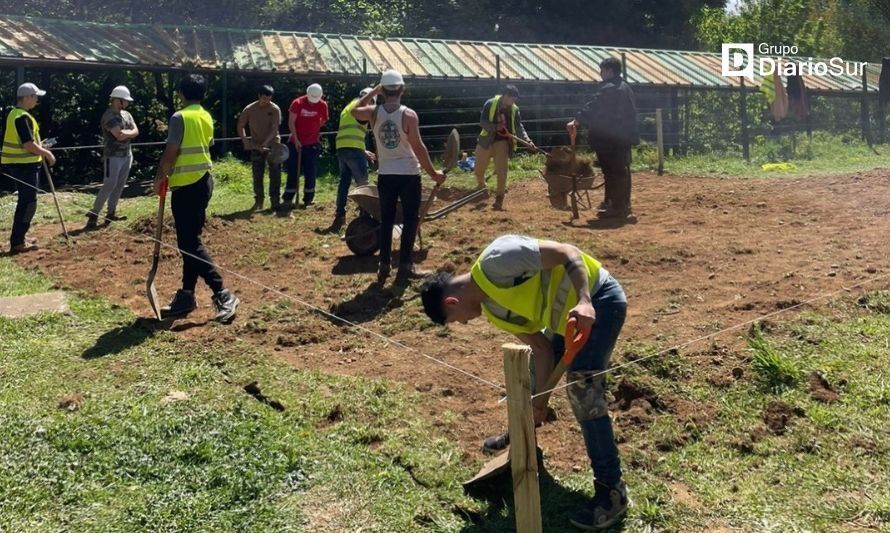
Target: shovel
(449,161)
(156,257)
(574,341)
(52,189)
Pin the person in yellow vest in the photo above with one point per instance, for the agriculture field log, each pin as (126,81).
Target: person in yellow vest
(530,288)
(352,157)
(185,165)
(500,119)
(22,157)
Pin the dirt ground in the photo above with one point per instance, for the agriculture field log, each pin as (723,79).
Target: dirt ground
(704,254)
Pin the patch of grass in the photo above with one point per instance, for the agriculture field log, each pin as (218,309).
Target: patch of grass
(775,371)
(826,154)
(130,452)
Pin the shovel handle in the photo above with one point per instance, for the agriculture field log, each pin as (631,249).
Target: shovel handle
(574,341)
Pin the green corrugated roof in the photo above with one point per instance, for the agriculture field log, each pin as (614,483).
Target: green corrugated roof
(39,41)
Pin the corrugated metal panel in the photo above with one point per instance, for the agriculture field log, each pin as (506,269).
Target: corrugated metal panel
(142,45)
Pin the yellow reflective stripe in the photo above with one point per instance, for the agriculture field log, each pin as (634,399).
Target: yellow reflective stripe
(192,168)
(18,155)
(559,302)
(194,150)
(351,137)
(12,145)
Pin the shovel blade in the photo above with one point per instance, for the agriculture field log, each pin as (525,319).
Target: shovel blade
(493,468)
(150,289)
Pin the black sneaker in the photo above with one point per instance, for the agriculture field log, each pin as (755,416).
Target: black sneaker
(92,222)
(225,304)
(182,304)
(113,217)
(495,444)
(608,506)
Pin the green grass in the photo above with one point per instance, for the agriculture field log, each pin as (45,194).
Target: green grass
(127,459)
(825,155)
(775,371)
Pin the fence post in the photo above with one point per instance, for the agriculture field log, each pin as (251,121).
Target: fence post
(365,72)
(497,71)
(688,95)
(624,66)
(523,448)
(659,140)
(224,122)
(743,114)
(863,107)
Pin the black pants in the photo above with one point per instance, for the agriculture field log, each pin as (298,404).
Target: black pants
(616,174)
(27,204)
(189,206)
(259,161)
(392,188)
(309,154)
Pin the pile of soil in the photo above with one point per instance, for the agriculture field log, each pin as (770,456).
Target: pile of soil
(559,161)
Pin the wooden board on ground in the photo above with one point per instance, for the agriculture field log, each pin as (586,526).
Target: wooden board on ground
(494,467)
(32,304)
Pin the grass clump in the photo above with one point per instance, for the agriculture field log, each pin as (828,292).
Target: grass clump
(775,371)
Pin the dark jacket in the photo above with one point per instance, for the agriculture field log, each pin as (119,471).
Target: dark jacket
(611,116)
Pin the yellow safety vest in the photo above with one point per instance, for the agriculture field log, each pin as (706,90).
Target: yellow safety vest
(542,301)
(193,159)
(13,151)
(351,133)
(492,113)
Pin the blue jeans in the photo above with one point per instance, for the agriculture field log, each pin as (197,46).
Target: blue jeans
(610,305)
(309,163)
(353,166)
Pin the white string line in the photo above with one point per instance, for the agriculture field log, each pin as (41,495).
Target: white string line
(301,302)
(710,335)
(282,135)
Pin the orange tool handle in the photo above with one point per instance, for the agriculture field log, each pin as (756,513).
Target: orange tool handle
(574,341)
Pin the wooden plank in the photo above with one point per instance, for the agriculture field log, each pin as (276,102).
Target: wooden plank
(523,456)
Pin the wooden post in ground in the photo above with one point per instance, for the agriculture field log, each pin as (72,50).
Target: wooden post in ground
(863,108)
(743,114)
(659,140)
(523,448)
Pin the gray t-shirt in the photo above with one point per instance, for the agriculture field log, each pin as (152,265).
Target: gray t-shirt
(175,129)
(116,119)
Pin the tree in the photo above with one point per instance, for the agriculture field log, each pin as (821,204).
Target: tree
(852,29)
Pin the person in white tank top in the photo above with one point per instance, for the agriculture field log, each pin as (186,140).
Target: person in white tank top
(401,154)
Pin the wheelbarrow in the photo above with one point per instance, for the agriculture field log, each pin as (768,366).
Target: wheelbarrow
(563,187)
(363,233)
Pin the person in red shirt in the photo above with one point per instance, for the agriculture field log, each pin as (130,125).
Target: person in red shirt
(308,113)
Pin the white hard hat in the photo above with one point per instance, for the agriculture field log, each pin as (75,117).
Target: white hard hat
(29,89)
(365,91)
(314,92)
(121,92)
(392,79)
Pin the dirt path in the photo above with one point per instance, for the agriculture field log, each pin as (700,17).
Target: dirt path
(704,254)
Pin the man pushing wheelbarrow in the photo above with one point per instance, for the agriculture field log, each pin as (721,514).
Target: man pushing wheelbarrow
(542,292)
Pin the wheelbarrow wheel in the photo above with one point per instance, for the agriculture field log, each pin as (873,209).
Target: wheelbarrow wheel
(363,235)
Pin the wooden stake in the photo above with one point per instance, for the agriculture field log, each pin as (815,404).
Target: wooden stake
(523,448)
(659,140)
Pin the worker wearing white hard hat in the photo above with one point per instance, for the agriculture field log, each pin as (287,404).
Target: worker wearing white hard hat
(306,115)
(118,130)
(401,154)
(352,157)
